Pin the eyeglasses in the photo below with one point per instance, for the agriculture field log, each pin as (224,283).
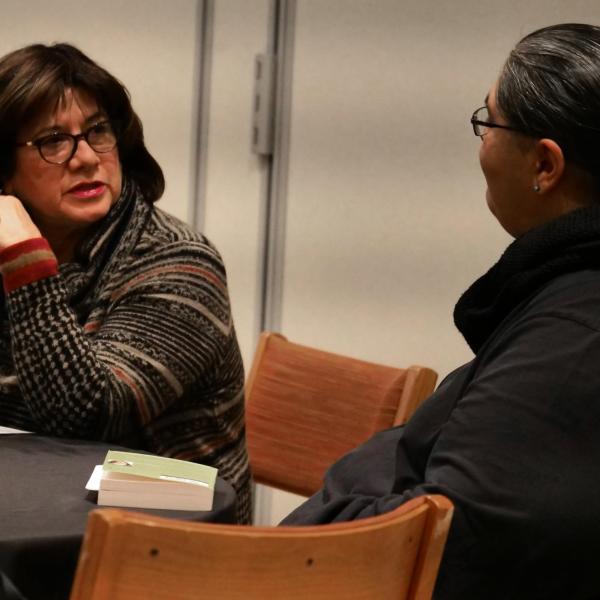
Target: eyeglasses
(59,148)
(481,123)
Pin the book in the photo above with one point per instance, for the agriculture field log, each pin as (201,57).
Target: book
(128,479)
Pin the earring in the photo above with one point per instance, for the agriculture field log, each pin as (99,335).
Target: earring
(536,187)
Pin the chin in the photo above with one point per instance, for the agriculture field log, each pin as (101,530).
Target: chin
(86,215)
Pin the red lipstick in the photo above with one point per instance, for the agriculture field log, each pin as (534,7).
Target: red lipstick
(91,189)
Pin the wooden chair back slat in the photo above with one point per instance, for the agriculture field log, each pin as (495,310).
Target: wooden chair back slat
(135,556)
(305,408)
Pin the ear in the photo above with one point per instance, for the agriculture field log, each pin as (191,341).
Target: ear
(550,164)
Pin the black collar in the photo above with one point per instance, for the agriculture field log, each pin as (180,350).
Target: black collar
(567,244)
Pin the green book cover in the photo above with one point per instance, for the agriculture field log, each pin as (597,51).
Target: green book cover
(159,467)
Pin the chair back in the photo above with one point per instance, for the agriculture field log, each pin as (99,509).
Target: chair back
(305,408)
(135,556)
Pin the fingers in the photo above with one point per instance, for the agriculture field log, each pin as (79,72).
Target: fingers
(15,223)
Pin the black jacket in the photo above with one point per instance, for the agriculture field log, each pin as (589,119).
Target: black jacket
(512,438)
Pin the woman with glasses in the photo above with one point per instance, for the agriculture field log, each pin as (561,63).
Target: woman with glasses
(513,437)
(115,322)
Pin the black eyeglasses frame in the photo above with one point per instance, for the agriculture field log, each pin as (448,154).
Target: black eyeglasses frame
(84,135)
(489,124)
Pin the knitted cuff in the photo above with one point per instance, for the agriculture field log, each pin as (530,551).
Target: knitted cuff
(26,262)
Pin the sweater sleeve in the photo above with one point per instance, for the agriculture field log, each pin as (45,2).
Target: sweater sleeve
(26,262)
(163,331)
(517,454)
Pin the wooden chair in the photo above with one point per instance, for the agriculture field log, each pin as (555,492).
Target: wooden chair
(134,556)
(305,408)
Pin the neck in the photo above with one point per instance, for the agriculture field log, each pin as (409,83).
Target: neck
(573,191)
(576,190)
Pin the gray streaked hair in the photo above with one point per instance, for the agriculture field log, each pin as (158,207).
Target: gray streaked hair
(550,87)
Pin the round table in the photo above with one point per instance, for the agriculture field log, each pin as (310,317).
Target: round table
(44,507)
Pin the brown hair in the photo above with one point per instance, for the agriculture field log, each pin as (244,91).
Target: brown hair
(37,76)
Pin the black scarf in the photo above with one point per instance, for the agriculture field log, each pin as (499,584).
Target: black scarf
(567,244)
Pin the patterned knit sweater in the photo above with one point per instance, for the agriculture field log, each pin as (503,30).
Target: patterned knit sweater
(132,342)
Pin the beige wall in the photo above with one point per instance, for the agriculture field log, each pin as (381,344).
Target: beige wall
(233,187)
(386,216)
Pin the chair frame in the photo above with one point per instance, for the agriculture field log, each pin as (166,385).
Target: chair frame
(134,556)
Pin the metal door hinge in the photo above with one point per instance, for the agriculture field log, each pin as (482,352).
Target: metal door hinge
(264,101)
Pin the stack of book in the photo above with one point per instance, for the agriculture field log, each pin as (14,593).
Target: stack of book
(129,479)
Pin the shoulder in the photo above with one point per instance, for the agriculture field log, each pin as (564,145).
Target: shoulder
(574,297)
(163,228)
(554,334)
(167,239)
(170,255)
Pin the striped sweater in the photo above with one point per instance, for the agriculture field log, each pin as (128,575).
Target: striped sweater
(131,343)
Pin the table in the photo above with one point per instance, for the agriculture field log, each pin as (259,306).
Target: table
(44,507)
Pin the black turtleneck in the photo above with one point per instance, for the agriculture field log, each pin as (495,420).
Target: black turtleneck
(569,243)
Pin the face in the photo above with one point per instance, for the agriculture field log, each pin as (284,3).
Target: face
(68,198)
(506,160)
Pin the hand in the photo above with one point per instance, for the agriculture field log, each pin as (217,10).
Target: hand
(15,223)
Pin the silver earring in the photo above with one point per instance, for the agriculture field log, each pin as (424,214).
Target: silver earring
(536,187)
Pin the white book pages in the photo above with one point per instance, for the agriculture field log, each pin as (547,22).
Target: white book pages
(11,430)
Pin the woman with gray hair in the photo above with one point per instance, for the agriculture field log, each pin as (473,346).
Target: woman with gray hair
(512,437)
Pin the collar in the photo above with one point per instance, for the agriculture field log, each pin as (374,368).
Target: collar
(569,243)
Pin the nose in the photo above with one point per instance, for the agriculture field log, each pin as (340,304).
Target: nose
(84,154)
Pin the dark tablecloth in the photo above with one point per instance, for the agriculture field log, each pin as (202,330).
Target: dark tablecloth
(44,507)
